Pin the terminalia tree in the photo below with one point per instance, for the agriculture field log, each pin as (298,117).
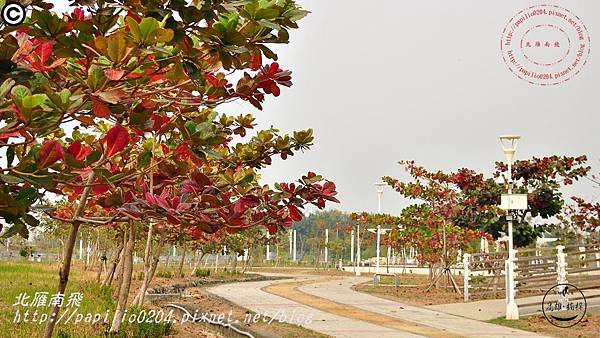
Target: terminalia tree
(465,204)
(112,108)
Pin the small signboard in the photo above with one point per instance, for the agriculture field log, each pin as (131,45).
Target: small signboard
(514,202)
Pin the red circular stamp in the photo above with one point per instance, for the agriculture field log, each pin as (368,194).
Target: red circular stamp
(545,45)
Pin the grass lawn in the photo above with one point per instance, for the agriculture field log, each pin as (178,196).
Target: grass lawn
(31,277)
(589,327)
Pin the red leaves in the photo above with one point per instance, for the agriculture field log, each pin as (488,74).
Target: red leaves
(159,121)
(100,109)
(329,191)
(50,153)
(295,214)
(256,61)
(116,140)
(244,203)
(40,56)
(100,189)
(78,151)
(272,76)
(196,184)
(114,74)
(78,14)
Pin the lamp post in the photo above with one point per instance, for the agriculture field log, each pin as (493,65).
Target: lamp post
(326,244)
(268,247)
(358,248)
(509,145)
(379,187)
(352,246)
(294,245)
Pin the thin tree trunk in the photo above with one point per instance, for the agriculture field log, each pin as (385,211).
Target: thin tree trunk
(149,274)
(197,263)
(119,269)
(125,282)
(65,268)
(180,270)
(234,263)
(62,251)
(109,276)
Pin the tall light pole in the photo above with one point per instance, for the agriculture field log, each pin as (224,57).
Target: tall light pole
(352,246)
(268,247)
(379,187)
(326,243)
(358,248)
(294,245)
(509,145)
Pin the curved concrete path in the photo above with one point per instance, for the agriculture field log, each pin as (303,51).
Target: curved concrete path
(251,296)
(340,291)
(339,311)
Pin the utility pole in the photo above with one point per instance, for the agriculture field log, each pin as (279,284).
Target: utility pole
(358,248)
(326,243)
(379,196)
(352,246)
(268,248)
(294,245)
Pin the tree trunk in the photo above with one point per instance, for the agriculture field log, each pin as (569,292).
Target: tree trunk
(180,270)
(234,263)
(63,274)
(168,258)
(148,250)
(110,274)
(216,262)
(62,251)
(65,268)
(197,263)
(125,281)
(149,274)
(119,269)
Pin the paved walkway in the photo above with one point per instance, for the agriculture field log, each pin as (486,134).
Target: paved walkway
(340,291)
(494,308)
(251,296)
(336,296)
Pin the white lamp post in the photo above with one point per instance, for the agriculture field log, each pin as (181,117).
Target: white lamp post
(294,245)
(352,246)
(379,187)
(268,247)
(358,248)
(509,145)
(326,243)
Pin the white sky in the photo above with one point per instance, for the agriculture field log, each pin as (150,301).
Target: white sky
(383,80)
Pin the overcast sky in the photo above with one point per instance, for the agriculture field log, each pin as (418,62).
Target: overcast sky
(383,80)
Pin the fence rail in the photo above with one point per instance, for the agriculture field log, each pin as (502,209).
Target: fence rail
(536,270)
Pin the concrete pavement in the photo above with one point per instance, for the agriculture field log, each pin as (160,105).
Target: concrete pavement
(494,308)
(340,291)
(327,319)
(251,296)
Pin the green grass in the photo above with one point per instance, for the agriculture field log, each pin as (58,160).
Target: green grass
(515,324)
(31,277)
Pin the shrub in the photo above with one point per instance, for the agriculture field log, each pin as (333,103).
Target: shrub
(164,274)
(202,273)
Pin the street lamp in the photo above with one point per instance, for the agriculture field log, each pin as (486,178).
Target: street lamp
(379,187)
(509,145)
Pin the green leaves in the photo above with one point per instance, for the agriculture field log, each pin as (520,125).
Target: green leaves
(33,101)
(149,31)
(144,159)
(304,137)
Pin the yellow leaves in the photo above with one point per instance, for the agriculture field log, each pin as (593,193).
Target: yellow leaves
(115,47)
